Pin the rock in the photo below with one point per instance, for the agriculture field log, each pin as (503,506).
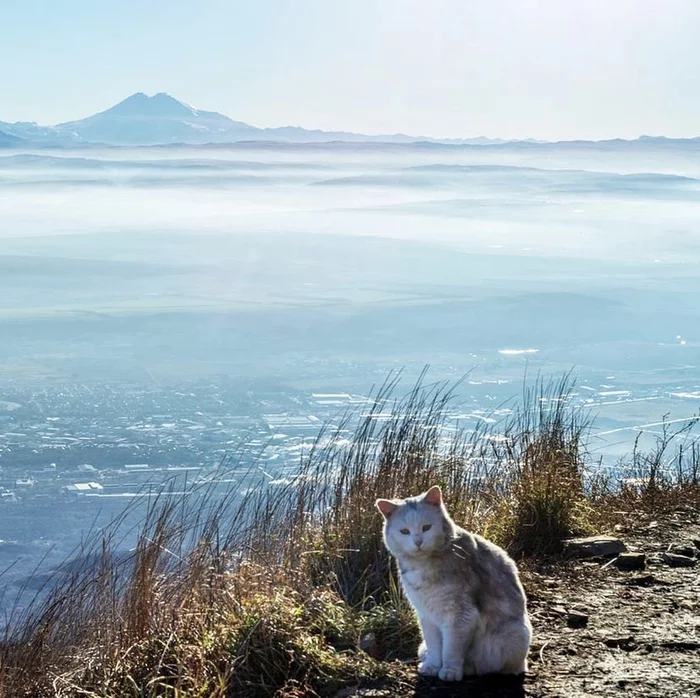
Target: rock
(368,644)
(683,549)
(626,643)
(673,560)
(576,619)
(594,546)
(630,561)
(680,645)
(646,580)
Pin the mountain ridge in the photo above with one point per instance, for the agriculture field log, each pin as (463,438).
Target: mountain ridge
(161,119)
(8,140)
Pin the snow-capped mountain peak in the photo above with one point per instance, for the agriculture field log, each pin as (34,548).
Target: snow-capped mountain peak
(160,105)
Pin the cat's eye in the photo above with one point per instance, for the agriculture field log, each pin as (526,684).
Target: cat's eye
(405,531)
(427,527)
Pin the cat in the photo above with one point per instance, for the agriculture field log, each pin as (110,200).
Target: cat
(464,589)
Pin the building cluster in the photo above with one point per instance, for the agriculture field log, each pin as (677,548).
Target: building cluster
(71,442)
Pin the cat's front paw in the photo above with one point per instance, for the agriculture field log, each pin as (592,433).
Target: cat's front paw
(450,674)
(428,668)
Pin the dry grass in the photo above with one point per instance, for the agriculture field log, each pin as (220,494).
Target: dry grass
(649,483)
(270,592)
(545,446)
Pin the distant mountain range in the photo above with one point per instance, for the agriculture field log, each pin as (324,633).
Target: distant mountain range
(8,141)
(164,120)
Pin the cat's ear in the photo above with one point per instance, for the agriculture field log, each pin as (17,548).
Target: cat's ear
(387,507)
(433,496)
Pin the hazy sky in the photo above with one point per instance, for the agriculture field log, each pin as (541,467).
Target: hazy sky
(550,69)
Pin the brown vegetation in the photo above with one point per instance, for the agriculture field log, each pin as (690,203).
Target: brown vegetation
(271,592)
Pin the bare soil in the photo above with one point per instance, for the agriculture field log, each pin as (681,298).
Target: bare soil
(642,637)
(601,631)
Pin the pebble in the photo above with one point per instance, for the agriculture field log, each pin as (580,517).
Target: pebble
(594,546)
(368,644)
(575,619)
(630,561)
(683,549)
(626,643)
(673,560)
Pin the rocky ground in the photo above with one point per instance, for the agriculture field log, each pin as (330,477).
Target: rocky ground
(604,631)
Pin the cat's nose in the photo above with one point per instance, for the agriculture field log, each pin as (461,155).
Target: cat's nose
(418,542)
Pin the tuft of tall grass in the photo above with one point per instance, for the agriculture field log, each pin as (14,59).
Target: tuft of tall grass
(272,589)
(544,446)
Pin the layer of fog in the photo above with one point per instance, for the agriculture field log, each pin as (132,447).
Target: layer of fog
(269,260)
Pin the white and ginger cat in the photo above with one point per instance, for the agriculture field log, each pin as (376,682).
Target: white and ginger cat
(464,589)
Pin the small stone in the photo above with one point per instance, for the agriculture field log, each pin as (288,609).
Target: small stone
(683,549)
(630,561)
(594,546)
(673,560)
(575,619)
(368,644)
(646,580)
(626,643)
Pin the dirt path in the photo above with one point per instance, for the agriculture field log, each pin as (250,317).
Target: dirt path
(642,635)
(600,631)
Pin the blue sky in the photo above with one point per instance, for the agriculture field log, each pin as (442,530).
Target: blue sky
(550,69)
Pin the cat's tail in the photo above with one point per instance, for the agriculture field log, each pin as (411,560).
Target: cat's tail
(504,651)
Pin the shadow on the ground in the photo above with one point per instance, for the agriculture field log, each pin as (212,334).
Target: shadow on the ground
(481,687)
